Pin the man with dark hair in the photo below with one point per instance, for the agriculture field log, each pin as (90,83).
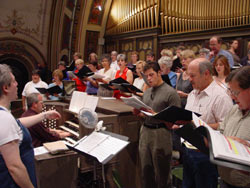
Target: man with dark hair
(211,101)
(39,133)
(155,144)
(62,66)
(150,56)
(31,86)
(215,46)
(236,124)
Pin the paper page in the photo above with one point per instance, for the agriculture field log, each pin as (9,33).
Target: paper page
(97,76)
(108,98)
(91,102)
(147,113)
(111,146)
(40,150)
(224,147)
(91,141)
(101,146)
(134,102)
(77,101)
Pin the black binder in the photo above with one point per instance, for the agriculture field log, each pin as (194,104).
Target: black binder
(52,90)
(173,114)
(84,72)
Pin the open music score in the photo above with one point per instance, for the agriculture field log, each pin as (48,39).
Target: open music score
(81,100)
(101,145)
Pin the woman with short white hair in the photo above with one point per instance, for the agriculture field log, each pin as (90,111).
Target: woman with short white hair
(166,63)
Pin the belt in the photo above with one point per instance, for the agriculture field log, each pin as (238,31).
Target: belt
(155,126)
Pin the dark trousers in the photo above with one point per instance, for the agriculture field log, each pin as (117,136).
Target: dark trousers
(198,172)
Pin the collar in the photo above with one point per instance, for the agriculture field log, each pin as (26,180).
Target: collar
(207,91)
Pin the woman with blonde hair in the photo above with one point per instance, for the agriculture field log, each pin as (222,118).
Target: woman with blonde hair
(80,84)
(57,81)
(183,85)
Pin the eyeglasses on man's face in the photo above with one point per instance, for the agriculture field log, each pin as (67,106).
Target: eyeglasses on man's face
(232,92)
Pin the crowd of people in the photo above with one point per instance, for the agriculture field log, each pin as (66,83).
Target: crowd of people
(204,84)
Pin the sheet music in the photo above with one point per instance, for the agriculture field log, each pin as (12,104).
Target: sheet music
(97,76)
(91,102)
(77,101)
(225,147)
(134,102)
(81,100)
(101,146)
(40,150)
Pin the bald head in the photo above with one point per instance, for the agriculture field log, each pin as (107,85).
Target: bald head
(200,73)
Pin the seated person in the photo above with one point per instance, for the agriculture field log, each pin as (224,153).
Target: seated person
(80,84)
(39,133)
(57,81)
(92,84)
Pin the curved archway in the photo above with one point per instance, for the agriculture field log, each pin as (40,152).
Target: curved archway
(19,69)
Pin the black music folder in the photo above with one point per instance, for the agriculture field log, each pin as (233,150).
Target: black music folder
(84,72)
(124,86)
(127,87)
(102,146)
(172,114)
(52,90)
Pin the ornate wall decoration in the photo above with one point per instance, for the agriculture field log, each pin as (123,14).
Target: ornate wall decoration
(25,17)
(96,12)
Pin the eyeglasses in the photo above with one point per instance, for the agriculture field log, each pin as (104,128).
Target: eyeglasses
(233,93)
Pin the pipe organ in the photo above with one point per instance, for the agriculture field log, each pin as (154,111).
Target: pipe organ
(117,118)
(178,16)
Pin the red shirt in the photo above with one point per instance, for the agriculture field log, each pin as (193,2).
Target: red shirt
(117,93)
(80,86)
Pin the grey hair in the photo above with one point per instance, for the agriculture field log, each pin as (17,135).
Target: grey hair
(5,77)
(32,98)
(122,57)
(204,50)
(205,65)
(114,53)
(165,60)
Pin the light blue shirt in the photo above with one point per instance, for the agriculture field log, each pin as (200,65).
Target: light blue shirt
(227,55)
(172,77)
(52,97)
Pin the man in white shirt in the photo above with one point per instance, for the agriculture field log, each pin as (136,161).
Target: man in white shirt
(114,64)
(212,102)
(31,86)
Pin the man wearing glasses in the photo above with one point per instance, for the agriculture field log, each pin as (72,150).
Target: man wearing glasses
(236,124)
